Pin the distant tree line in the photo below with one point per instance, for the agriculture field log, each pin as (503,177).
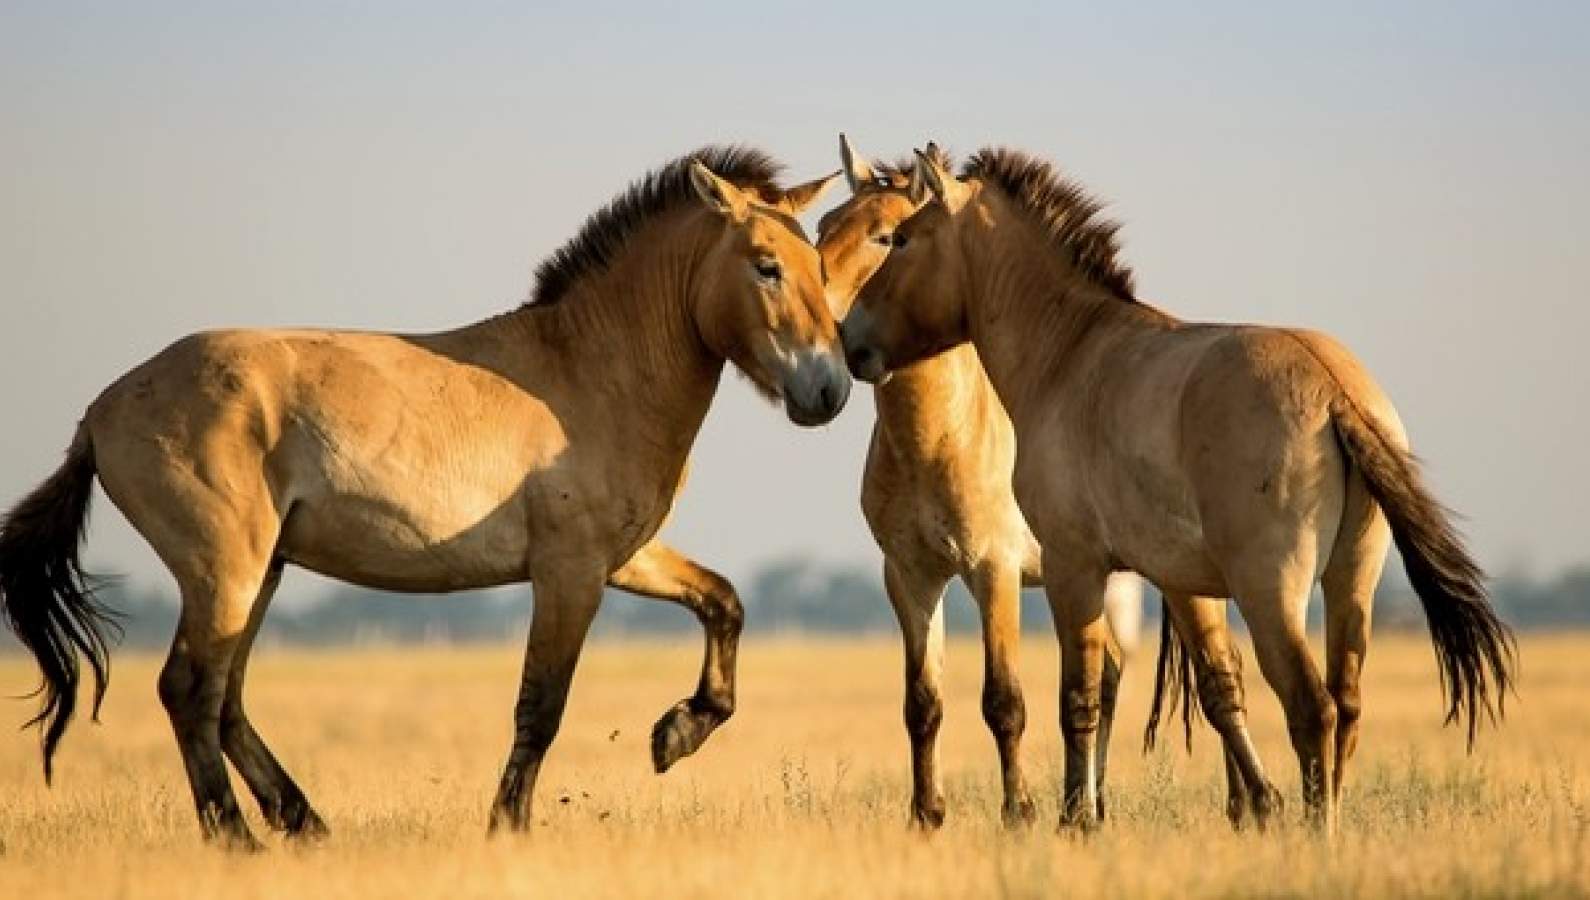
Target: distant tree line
(793,595)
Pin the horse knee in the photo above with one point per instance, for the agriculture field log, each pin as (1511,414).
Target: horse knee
(924,710)
(1004,710)
(1082,708)
(721,606)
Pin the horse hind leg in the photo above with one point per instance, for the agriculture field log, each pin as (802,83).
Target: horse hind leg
(1217,669)
(193,687)
(1349,582)
(918,604)
(282,803)
(1275,619)
(997,590)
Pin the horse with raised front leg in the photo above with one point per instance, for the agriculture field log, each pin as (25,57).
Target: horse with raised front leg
(545,445)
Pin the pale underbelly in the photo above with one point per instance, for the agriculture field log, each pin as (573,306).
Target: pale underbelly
(389,548)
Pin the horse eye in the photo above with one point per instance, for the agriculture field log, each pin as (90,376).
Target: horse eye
(768,269)
(897,240)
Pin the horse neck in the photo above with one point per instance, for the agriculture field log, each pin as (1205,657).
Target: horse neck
(1037,324)
(924,406)
(624,338)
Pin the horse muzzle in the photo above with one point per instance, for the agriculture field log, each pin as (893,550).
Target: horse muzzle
(815,389)
(863,356)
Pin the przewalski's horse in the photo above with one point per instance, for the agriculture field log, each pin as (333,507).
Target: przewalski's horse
(936,494)
(544,445)
(1217,460)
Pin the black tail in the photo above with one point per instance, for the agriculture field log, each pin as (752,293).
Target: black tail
(1475,650)
(48,599)
(1173,679)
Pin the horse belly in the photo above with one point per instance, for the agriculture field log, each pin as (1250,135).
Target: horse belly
(425,542)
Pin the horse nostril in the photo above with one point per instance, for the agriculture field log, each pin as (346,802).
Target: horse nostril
(861,361)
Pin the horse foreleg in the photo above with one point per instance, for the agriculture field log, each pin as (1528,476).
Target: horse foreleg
(660,572)
(1076,597)
(564,607)
(917,602)
(997,589)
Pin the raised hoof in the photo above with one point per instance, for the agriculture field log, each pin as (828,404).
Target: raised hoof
(1020,813)
(679,733)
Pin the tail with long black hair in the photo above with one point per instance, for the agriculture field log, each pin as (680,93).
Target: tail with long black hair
(1175,684)
(47,597)
(1475,650)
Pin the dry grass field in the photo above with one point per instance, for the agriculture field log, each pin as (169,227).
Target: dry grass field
(803,794)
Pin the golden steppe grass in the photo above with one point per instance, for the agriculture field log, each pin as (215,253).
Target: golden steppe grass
(803,794)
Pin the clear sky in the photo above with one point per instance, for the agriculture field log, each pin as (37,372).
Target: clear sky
(1410,177)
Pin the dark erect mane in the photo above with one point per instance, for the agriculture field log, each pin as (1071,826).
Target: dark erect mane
(1064,209)
(660,190)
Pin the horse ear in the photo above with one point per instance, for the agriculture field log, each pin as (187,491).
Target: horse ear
(858,171)
(918,190)
(928,174)
(798,198)
(717,194)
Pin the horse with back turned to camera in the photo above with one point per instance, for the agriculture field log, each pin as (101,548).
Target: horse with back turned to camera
(544,445)
(1216,460)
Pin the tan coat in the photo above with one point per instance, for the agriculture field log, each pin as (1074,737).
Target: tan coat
(1215,460)
(546,445)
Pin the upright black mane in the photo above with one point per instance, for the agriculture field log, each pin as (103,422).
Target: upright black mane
(608,229)
(1065,210)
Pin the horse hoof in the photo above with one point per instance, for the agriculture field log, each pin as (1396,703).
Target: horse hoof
(1267,804)
(679,733)
(239,842)
(1237,812)
(927,817)
(311,829)
(1021,813)
(1082,822)
(505,822)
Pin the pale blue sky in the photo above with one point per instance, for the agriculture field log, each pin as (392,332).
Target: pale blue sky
(1412,179)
